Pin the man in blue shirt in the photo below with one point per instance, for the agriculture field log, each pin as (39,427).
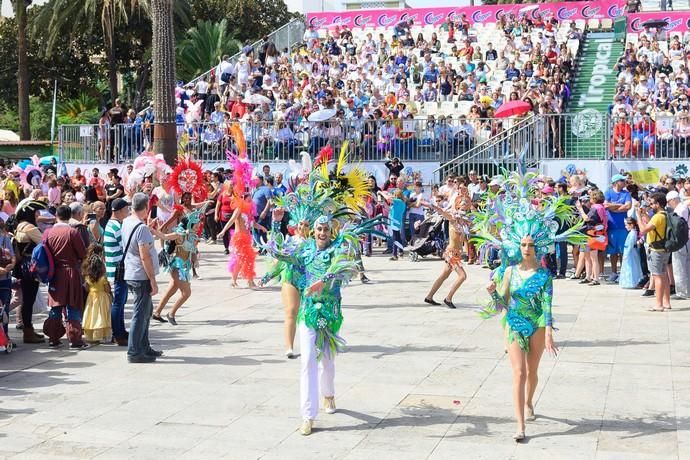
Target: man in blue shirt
(262,206)
(617,202)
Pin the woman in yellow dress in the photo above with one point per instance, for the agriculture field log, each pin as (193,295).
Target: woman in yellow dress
(96,323)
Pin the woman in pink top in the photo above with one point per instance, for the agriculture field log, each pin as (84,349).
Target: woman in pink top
(54,194)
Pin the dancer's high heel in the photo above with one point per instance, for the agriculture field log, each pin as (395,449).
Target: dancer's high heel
(519,436)
(529,416)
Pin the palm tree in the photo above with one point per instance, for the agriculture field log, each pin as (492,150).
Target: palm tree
(203,47)
(80,110)
(23,81)
(163,56)
(59,16)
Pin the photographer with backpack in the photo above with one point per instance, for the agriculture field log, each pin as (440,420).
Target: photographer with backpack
(662,239)
(680,258)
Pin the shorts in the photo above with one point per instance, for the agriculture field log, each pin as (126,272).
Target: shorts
(617,237)
(657,262)
(453,258)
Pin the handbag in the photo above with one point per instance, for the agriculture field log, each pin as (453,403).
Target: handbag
(120,269)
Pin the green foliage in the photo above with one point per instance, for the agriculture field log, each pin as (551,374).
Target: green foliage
(247,19)
(40,118)
(80,110)
(41,112)
(202,48)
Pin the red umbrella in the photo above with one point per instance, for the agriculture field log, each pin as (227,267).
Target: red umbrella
(513,108)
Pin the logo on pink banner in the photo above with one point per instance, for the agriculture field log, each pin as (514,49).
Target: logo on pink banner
(677,22)
(475,14)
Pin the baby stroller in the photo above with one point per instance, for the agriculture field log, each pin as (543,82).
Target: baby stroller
(429,238)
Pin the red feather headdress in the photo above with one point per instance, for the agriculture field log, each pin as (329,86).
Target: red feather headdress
(188,177)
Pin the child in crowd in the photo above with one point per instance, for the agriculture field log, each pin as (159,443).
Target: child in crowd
(96,323)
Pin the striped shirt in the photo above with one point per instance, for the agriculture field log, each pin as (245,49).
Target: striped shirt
(112,245)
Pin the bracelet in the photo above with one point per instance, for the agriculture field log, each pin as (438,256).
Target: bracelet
(496,297)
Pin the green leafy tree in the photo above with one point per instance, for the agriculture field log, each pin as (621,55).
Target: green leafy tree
(59,16)
(247,19)
(203,47)
(80,110)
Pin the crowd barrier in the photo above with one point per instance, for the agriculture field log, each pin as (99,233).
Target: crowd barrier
(419,139)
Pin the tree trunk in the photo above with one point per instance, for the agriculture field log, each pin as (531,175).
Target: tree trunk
(163,56)
(22,70)
(142,83)
(112,75)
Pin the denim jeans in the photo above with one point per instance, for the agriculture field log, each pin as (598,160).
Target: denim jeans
(138,344)
(413,218)
(117,310)
(5,296)
(562,251)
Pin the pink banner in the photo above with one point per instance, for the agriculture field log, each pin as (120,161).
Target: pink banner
(678,21)
(474,14)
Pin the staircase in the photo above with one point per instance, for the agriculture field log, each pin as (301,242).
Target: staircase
(500,151)
(586,133)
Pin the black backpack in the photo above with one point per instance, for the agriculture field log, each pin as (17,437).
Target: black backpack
(676,233)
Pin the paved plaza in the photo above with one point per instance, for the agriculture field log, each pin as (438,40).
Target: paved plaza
(416,381)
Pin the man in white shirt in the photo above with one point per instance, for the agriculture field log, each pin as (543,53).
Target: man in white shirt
(225,68)
(680,259)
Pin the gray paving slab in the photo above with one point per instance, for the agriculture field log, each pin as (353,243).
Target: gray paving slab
(415,381)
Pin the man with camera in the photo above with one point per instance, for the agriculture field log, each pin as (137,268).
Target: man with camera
(657,258)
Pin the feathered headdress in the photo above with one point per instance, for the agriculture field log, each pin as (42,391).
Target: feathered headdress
(514,215)
(188,177)
(242,177)
(349,188)
(146,165)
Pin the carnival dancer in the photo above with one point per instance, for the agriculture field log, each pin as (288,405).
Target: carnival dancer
(327,261)
(521,286)
(181,246)
(458,220)
(304,206)
(242,259)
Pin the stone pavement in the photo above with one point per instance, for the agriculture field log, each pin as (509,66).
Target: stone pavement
(416,381)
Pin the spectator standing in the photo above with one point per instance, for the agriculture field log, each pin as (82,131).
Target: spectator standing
(65,291)
(141,268)
(113,247)
(617,203)
(262,205)
(395,166)
(680,259)
(416,213)
(657,258)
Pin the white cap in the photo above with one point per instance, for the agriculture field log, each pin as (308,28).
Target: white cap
(672,195)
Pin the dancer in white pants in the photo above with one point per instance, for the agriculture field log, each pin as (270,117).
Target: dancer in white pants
(316,375)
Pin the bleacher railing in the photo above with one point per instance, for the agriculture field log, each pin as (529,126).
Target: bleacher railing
(501,149)
(285,37)
(453,144)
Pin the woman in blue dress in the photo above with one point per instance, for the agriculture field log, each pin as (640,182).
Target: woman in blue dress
(631,268)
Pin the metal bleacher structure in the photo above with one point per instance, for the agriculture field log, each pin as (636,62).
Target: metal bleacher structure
(488,152)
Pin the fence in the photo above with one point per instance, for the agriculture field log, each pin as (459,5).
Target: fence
(419,139)
(284,37)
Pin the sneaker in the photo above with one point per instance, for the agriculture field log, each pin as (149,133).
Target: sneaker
(612,279)
(678,297)
(647,293)
(141,359)
(290,354)
(306,427)
(54,344)
(329,404)
(171,319)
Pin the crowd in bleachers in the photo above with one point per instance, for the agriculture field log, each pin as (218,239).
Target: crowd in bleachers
(406,90)
(650,111)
